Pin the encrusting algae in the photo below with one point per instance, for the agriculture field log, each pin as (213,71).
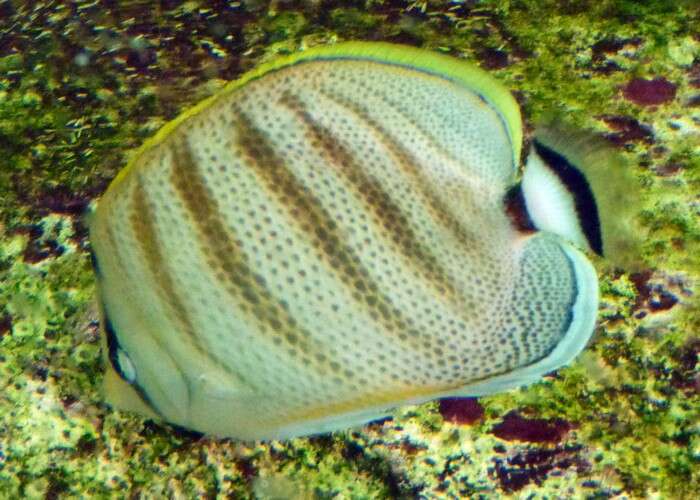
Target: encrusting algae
(81,87)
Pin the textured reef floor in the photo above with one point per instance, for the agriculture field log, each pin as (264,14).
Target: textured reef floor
(82,84)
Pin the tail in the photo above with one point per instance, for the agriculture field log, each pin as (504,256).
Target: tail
(576,186)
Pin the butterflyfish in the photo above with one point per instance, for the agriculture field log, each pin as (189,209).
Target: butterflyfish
(340,232)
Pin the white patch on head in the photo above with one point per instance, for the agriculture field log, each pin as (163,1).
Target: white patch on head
(549,203)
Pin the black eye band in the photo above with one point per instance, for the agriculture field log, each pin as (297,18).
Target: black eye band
(113,346)
(93,259)
(113,354)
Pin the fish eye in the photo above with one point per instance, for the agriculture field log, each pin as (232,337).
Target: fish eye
(121,362)
(126,368)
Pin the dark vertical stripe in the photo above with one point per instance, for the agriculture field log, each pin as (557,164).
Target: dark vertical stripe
(320,227)
(411,167)
(146,233)
(386,211)
(112,337)
(228,261)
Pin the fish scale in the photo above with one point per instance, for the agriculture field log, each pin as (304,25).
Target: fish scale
(324,241)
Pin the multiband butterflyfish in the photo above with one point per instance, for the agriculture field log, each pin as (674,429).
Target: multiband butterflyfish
(340,232)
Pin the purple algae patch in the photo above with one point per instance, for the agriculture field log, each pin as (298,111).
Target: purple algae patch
(652,297)
(685,375)
(606,46)
(627,129)
(668,169)
(533,466)
(38,249)
(5,324)
(649,92)
(515,427)
(463,411)
(62,201)
(493,58)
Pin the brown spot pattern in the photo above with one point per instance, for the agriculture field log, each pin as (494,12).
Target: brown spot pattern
(320,226)
(388,213)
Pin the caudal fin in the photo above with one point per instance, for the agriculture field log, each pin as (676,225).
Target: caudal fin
(576,186)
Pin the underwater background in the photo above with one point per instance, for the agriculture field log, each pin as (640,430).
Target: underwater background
(83,83)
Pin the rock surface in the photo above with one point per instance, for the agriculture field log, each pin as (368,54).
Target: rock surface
(83,83)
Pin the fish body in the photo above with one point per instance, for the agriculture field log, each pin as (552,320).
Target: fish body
(327,239)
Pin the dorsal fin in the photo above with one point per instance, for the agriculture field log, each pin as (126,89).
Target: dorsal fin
(462,72)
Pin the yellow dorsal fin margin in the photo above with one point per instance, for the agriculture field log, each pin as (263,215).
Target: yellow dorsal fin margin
(459,71)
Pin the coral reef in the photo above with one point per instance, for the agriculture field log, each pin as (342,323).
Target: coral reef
(82,83)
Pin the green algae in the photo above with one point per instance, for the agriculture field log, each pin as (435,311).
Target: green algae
(632,400)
